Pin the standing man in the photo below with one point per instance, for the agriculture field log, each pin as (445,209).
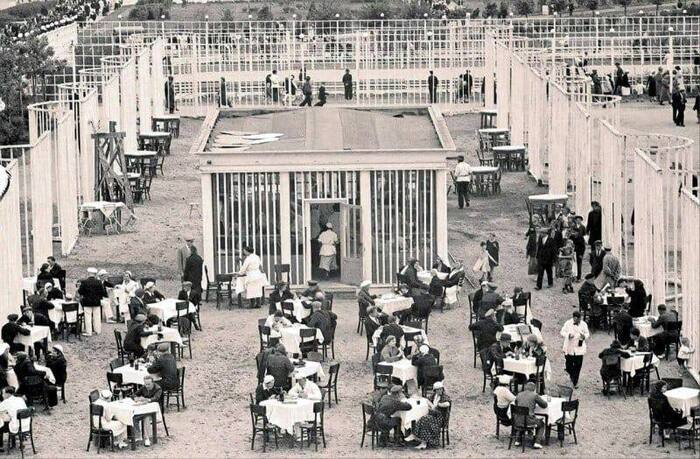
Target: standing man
(577,237)
(546,256)
(594,225)
(170,95)
(619,73)
(575,333)
(307,91)
(91,294)
(463,177)
(468,84)
(223,100)
(275,85)
(183,253)
(432,87)
(493,248)
(347,84)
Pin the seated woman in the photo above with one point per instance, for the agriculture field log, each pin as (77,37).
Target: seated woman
(661,409)
(390,351)
(277,322)
(151,295)
(428,427)
(638,298)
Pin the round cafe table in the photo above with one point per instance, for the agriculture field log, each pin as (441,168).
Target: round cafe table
(488,118)
(509,157)
(285,414)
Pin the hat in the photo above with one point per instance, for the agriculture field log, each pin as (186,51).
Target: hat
(578,217)
(460,157)
(299,376)
(483,283)
(102,272)
(505,337)
(140,318)
(163,347)
(188,238)
(488,313)
(607,248)
(139,292)
(48,284)
(187,284)
(424,349)
(312,283)
(106,393)
(128,273)
(395,389)
(598,242)
(150,284)
(58,347)
(329,225)
(366,283)
(492,286)
(92,270)
(268,379)
(438,385)
(12,317)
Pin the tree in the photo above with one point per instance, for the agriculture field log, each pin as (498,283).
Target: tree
(590,4)
(624,4)
(413,9)
(227,15)
(503,10)
(490,10)
(523,7)
(265,14)
(374,10)
(658,3)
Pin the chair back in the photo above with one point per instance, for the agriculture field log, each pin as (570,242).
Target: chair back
(288,310)
(569,407)
(223,281)
(565,391)
(261,322)
(435,353)
(519,415)
(536,323)
(361,310)
(367,413)
(433,374)
(258,413)
(410,336)
(181,378)
(180,306)
(333,373)
(314,356)
(96,411)
(94,396)
(25,418)
(184,327)
(279,270)
(305,333)
(611,361)
(328,304)
(70,312)
(115,363)
(114,378)
(673,383)
(486,361)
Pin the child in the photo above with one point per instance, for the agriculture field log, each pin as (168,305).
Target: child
(566,263)
(685,352)
(483,263)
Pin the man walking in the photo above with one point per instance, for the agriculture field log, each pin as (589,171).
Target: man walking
(432,87)
(91,293)
(347,84)
(307,91)
(493,248)
(463,177)
(546,256)
(575,333)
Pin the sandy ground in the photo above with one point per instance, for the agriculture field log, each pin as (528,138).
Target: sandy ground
(222,373)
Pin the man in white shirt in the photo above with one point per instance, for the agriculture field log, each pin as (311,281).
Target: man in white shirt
(575,333)
(8,409)
(305,389)
(328,239)
(463,176)
(275,83)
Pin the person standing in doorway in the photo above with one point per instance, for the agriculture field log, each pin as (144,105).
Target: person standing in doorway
(347,84)
(463,177)
(170,95)
(432,87)
(328,240)
(493,249)
(307,91)
(575,333)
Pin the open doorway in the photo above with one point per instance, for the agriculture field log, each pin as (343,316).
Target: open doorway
(325,241)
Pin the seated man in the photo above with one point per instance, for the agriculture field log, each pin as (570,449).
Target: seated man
(668,320)
(623,324)
(364,298)
(43,304)
(279,366)
(504,397)
(279,295)
(56,362)
(151,295)
(10,405)
(10,331)
(422,361)
(25,368)
(109,422)
(137,305)
(136,331)
(266,389)
(384,418)
(529,398)
(374,320)
(194,297)
(305,389)
(506,315)
(311,289)
(500,350)
(610,368)
(52,293)
(165,366)
(277,322)
(637,342)
(587,293)
(323,320)
(409,275)
(490,299)
(485,330)
(150,392)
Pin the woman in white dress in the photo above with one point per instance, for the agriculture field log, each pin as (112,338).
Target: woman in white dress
(328,239)
(118,428)
(252,279)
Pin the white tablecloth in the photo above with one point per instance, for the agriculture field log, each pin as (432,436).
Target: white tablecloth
(167,309)
(290,337)
(29,284)
(450,293)
(644,326)
(512,330)
(300,312)
(419,409)
(524,366)
(170,335)
(252,284)
(402,344)
(391,303)
(56,314)
(131,375)
(49,373)
(683,398)
(636,362)
(285,415)
(553,410)
(403,370)
(309,369)
(125,410)
(37,333)
(618,292)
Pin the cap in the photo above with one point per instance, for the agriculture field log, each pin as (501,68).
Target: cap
(492,285)
(505,337)
(395,389)
(329,225)
(187,284)
(92,270)
(268,379)
(188,238)
(163,347)
(438,385)
(424,349)
(598,242)
(366,283)
(150,284)
(102,272)
(58,347)
(607,248)
(140,318)
(106,393)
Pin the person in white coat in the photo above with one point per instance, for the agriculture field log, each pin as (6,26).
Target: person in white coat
(575,333)
(118,428)
(251,278)
(328,240)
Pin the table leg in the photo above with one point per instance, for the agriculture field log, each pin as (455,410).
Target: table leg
(154,419)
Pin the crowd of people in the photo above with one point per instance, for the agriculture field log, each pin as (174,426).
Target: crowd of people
(62,13)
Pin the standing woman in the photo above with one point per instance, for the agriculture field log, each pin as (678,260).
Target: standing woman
(531,251)
(193,270)
(483,263)
(254,280)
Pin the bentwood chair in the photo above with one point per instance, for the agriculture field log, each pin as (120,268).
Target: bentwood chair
(445,429)
(332,384)
(97,432)
(519,428)
(502,418)
(261,425)
(314,429)
(25,418)
(178,393)
(361,316)
(567,422)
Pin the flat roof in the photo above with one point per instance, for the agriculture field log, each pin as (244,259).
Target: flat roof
(334,128)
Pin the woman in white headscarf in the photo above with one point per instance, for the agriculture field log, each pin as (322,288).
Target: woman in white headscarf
(328,239)
(118,428)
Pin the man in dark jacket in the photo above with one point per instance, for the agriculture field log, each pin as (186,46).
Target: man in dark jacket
(432,87)
(10,331)
(279,296)
(193,269)
(594,225)
(668,320)
(52,293)
(266,389)
(166,366)
(280,367)
(323,320)
(623,324)
(500,350)
(170,95)
(611,362)
(409,275)
(322,96)
(578,231)
(485,330)
(422,360)
(546,256)
(384,419)
(91,293)
(194,297)
(137,305)
(307,91)
(132,339)
(392,329)
(373,320)
(347,84)
(596,258)
(56,362)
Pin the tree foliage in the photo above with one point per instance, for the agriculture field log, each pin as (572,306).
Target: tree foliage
(523,7)
(490,10)
(590,4)
(624,4)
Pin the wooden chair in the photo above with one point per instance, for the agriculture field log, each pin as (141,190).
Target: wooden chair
(224,288)
(520,429)
(261,425)
(382,376)
(97,432)
(486,367)
(211,286)
(502,418)
(655,420)
(279,270)
(309,342)
(612,363)
(178,392)
(332,384)
(312,430)
(72,321)
(445,429)
(184,327)
(361,316)
(370,343)
(567,422)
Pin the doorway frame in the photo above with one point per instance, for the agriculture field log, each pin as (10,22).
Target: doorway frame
(307,230)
